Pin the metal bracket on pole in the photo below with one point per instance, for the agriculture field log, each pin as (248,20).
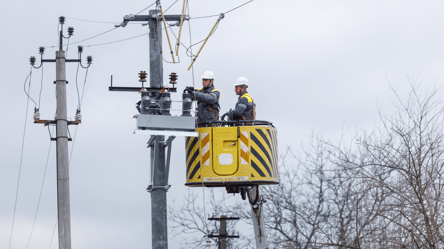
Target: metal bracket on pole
(152,188)
(156,158)
(167,166)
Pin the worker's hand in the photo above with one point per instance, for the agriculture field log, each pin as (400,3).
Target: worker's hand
(223,116)
(230,115)
(189,89)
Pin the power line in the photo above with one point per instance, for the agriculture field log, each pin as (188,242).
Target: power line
(170,6)
(200,17)
(239,6)
(94,36)
(21,157)
(77,86)
(83,90)
(83,20)
(87,38)
(29,88)
(41,87)
(40,195)
(145,8)
(53,232)
(106,43)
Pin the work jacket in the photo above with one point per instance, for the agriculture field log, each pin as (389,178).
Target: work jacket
(245,108)
(207,104)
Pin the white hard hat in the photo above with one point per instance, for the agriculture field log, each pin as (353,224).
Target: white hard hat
(241,81)
(208,75)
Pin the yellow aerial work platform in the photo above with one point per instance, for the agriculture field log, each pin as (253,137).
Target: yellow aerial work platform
(229,156)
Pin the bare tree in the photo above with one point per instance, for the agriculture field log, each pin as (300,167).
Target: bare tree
(404,159)
(190,223)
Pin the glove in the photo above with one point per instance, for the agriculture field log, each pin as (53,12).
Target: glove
(189,89)
(223,116)
(230,115)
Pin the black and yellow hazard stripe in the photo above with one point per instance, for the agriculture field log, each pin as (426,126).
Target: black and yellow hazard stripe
(193,157)
(272,133)
(262,153)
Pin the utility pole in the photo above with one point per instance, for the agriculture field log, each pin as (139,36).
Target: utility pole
(257,214)
(222,235)
(150,116)
(61,122)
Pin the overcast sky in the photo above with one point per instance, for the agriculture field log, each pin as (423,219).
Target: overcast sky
(314,66)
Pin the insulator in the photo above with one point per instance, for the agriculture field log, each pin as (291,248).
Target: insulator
(145,100)
(142,76)
(89,59)
(32,60)
(80,49)
(62,20)
(165,104)
(36,114)
(173,78)
(41,50)
(187,101)
(78,116)
(70,30)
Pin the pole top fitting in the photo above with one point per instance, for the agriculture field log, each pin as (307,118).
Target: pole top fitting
(70,31)
(61,19)
(222,15)
(142,76)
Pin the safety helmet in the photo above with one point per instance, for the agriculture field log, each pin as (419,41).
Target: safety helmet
(208,75)
(241,81)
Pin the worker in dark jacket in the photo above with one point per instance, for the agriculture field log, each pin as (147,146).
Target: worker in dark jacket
(207,100)
(245,107)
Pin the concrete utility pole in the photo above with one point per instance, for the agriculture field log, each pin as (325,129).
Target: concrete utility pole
(61,122)
(157,143)
(159,229)
(257,215)
(223,235)
(63,200)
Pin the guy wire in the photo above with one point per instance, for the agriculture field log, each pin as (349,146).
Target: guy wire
(195,112)
(41,87)
(21,158)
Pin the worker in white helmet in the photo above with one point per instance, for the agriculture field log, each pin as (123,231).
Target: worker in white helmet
(207,100)
(245,108)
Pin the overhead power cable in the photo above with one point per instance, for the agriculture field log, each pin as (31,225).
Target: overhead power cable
(77,87)
(86,38)
(29,88)
(21,156)
(200,17)
(211,33)
(41,190)
(83,89)
(238,6)
(106,43)
(83,20)
(170,6)
(146,8)
(41,87)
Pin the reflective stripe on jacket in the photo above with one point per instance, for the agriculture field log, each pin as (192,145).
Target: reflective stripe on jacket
(244,107)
